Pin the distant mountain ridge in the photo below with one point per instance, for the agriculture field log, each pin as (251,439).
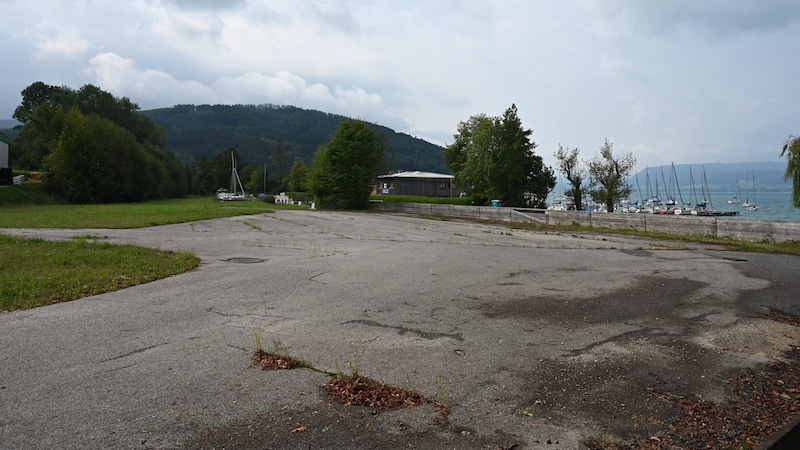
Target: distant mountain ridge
(7,124)
(194,130)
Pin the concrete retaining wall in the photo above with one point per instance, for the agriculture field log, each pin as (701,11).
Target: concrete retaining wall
(724,227)
(459,211)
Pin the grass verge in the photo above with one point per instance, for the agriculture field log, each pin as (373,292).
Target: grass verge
(40,214)
(36,272)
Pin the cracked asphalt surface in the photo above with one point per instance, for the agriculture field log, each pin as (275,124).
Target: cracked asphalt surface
(535,340)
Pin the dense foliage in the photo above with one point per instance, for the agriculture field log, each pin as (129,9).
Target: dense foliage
(255,131)
(609,176)
(93,147)
(493,158)
(344,169)
(791,149)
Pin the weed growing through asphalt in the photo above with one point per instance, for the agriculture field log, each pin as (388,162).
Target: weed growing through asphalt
(355,362)
(352,389)
(257,340)
(442,394)
(276,358)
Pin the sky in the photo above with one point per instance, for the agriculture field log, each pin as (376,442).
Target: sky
(681,81)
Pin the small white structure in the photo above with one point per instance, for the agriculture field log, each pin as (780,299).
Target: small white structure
(283,198)
(4,141)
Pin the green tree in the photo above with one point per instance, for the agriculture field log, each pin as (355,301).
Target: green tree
(277,157)
(468,157)
(570,166)
(94,147)
(219,170)
(509,159)
(493,158)
(609,176)
(791,149)
(202,176)
(344,169)
(256,180)
(539,181)
(96,161)
(296,180)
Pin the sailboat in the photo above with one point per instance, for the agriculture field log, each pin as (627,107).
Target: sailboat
(736,199)
(752,206)
(233,195)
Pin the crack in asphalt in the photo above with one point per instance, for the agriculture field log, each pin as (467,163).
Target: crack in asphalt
(403,330)
(134,352)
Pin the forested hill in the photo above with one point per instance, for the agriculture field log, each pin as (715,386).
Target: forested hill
(254,129)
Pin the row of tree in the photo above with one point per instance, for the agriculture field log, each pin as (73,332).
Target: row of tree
(493,158)
(607,173)
(93,147)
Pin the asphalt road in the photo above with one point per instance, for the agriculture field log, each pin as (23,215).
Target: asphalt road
(536,340)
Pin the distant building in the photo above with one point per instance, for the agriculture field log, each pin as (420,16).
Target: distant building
(283,198)
(5,168)
(4,141)
(426,184)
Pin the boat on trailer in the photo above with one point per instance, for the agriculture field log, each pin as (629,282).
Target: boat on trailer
(234,195)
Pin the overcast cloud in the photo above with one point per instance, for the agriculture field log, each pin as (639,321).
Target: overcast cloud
(675,80)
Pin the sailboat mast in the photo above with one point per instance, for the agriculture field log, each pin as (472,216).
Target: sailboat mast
(677,185)
(233,174)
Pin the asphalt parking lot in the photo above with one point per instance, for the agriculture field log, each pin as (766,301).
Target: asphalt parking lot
(535,340)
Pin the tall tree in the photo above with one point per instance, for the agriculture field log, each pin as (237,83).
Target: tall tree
(791,149)
(468,156)
(610,176)
(507,177)
(296,180)
(539,181)
(493,158)
(278,160)
(345,168)
(570,166)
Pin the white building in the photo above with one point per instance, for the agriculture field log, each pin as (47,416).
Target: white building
(4,141)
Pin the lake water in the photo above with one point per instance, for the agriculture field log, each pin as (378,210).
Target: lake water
(771,206)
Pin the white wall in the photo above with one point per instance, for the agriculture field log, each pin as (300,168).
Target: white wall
(3,154)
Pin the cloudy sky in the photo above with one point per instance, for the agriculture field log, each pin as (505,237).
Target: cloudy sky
(682,81)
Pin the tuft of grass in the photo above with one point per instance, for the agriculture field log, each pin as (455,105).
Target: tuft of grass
(257,340)
(275,359)
(442,393)
(356,361)
(36,272)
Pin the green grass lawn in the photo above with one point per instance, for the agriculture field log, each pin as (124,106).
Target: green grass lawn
(36,272)
(28,206)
